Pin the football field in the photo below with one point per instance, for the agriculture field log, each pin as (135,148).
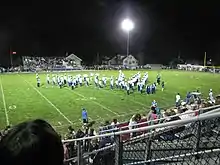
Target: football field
(21,100)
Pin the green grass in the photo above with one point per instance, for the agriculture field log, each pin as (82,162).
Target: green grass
(60,107)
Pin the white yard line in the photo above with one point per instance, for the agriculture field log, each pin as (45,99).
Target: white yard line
(99,118)
(3,99)
(104,107)
(137,102)
(49,102)
(90,118)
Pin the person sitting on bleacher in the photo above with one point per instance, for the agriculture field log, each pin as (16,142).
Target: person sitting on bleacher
(132,124)
(114,124)
(152,116)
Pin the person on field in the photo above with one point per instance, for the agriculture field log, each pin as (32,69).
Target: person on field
(162,85)
(158,79)
(148,89)
(38,81)
(84,116)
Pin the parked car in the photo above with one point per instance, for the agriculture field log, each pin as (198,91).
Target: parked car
(147,66)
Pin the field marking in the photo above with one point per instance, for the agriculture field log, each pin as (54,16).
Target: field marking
(100,118)
(104,107)
(4,102)
(57,109)
(103,119)
(113,92)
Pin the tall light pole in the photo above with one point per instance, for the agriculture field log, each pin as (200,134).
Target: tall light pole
(127,25)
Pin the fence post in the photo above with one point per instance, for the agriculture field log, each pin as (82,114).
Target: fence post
(118,150)
(148,148)
(79,153)
(198,135)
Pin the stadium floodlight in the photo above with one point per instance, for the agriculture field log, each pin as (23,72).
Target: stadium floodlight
(127,25)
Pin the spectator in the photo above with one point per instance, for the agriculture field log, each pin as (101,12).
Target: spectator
(188,96)
(31,143)
(132,124)
(138,117)
(66,153)
(144,116)
(80,134)
(152,115)
(107,127)
(153,104)
(114,122)
(84,116)
(177,100)
(71,134)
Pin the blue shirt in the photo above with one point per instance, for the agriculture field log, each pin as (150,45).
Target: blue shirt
(188,95)
(84,114)
(154,103)
(157,110)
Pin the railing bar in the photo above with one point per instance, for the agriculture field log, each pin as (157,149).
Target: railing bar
(172,123)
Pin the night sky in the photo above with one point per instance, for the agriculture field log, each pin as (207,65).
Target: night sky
(163,29)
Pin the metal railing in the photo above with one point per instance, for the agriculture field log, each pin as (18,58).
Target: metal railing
(165,143)
(149,122)
(173,123)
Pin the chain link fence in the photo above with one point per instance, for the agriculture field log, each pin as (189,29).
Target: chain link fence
(192,141)
(191,144)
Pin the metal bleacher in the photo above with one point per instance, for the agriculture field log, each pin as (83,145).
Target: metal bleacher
(194,140)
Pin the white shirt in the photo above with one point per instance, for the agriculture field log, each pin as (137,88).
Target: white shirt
(112,81)
(114,123)
(127,87)
(177,98)
(96,80)
(210,95)
(80,80)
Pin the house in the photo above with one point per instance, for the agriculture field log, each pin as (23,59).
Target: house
(105,60)
(117,60)
(130,62)
(125,61)
(76,61)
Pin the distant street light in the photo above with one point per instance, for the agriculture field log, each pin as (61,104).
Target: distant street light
(127,25)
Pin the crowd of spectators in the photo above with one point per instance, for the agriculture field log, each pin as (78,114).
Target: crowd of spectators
(47,63)
(200,68)
(155,116)
(17,142)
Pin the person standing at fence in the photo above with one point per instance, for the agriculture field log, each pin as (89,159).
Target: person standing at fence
(211,97)
(84,116)
(132,125)
(177,100)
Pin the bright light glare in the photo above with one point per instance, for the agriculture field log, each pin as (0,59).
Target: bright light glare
(127,25)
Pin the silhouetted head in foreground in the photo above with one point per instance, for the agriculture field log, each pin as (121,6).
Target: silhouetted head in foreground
(31,143)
